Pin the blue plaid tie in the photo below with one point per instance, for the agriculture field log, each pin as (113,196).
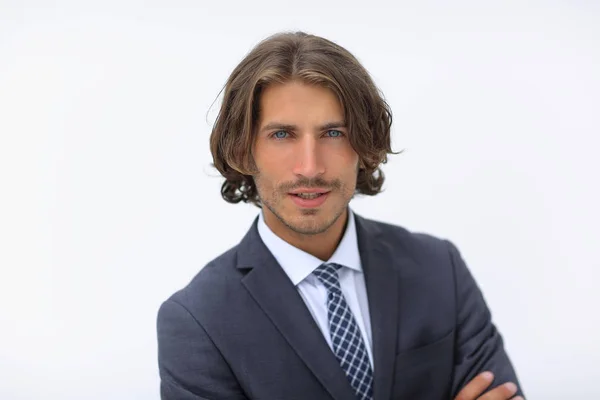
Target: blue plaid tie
(348,344)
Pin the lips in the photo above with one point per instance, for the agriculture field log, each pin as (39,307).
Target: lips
(308,195)
(309,190)
(309,198)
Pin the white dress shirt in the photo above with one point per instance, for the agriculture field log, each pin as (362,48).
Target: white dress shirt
(299,265)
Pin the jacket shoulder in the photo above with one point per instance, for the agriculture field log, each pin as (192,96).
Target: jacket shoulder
(426,250)
(211,284)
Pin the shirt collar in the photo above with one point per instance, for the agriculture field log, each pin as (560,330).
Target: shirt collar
(298,264)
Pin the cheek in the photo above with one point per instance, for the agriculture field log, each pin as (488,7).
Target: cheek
(351,173)
(267,157)
(346,163)
(269,173)
(349,154)
(268,170)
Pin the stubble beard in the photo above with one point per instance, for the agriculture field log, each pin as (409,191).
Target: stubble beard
(309,226)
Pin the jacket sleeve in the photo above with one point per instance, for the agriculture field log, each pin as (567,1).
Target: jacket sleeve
(190,365)
(479,346)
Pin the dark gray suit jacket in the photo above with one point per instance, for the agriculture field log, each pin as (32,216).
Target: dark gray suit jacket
(240,330)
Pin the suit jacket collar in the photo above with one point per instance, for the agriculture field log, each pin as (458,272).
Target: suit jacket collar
(274,292)
(298,264)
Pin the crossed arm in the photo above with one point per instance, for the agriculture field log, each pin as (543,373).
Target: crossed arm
(479,345)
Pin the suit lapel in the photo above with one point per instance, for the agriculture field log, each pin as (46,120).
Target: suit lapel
(382,291)
(280,301)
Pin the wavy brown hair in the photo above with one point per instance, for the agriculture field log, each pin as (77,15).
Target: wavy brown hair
(312,60)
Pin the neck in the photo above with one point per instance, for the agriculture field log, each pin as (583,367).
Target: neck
(321,245)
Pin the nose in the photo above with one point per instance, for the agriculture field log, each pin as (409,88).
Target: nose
(308,160)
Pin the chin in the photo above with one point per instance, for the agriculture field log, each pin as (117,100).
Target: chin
(308,228)
(309,221)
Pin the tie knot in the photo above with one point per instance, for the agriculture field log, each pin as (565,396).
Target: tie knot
(327,274)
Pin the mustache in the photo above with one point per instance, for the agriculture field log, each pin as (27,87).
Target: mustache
(314,183)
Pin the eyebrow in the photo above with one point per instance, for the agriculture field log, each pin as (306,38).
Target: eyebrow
(288,127)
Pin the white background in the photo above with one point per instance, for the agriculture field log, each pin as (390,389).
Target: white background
(108,203)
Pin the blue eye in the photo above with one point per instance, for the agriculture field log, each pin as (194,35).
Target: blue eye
(280,134)
(334,133)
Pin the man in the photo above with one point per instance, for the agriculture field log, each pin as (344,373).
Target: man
(317,302)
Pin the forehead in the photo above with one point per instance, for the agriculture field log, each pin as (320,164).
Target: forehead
(294,102)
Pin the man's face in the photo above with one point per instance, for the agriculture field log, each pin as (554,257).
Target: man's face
(306,166)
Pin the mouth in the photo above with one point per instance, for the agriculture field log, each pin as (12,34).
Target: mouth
(308,195)
(309,198)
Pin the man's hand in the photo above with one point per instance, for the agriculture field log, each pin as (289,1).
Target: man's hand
(480,383)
